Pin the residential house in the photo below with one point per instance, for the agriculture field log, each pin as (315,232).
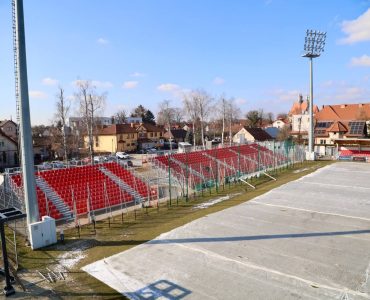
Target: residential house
(280,123)
(150,135)
(176,135)
(8,151)
(342,125)
(115,138)
(246,134)
(300,119)
(10,128)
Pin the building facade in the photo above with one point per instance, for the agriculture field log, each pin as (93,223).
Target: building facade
(8,151)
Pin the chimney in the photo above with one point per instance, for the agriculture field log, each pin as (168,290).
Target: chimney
(300,98)
(132,125)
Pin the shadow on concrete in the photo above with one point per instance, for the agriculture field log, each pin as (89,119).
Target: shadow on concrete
(161,289)
(257,237)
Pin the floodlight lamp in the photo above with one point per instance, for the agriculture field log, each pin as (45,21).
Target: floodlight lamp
(314,43)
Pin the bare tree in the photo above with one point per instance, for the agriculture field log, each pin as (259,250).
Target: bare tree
(197,105)
(120,117)
(203,103)
(232,114)
(178,115)
(61,115)
(191,110)
(223,107)
(269,118)
(165,114)
(90,104)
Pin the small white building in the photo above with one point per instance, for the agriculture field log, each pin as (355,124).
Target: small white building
(246,134)
(279,123)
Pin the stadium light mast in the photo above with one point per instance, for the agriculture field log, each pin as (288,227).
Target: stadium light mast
(313,47)
(25,119)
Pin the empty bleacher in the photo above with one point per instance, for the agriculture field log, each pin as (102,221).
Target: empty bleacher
(46,207)
(358,153)
(129,178)
(229,161)
(85,188)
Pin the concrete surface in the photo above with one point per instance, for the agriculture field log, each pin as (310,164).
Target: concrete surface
(308,239)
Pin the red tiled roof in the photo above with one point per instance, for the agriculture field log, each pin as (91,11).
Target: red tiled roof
(337,127)
(117,129)
(344,112)
(152,128)
(301,107)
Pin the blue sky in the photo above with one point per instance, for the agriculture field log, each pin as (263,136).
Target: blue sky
(141,52)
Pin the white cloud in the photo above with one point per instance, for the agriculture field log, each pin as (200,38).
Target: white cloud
(94,83)
(168,87)
(137,74)
(102,41)
(49,81)
(240,101)
(282,95)
(102,84)
(218,81)
(362,61)
(327,83)
(130,84)
(37,95)
(357,30)
(343,92)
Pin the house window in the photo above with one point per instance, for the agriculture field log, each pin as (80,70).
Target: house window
(96,141)
(2,144)
(121,137)
(128,136)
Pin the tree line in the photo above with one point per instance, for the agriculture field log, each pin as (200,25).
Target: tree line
(198,108)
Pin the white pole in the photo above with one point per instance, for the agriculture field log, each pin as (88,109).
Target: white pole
(311,130)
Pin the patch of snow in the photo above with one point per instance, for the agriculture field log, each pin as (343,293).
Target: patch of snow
(214,201)
(69,259)
(300,170)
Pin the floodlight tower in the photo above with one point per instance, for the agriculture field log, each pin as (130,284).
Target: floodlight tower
(24,111)
(313,46)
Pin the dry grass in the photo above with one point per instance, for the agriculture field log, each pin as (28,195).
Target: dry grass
(123,232)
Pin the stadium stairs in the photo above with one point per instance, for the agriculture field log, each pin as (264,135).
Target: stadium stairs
(53,197)
(123,185)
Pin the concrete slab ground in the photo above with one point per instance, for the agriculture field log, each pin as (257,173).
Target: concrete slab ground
(308,239)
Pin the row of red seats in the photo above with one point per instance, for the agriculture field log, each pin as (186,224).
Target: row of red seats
(125,175)
(85,184)
(46,207)
(364,153)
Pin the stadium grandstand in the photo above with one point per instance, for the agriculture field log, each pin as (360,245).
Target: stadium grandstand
(74,192)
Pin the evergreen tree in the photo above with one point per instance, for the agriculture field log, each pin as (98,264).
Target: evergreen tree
(149,117)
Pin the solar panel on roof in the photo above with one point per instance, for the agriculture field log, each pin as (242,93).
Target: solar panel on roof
(323,124)
(356,127)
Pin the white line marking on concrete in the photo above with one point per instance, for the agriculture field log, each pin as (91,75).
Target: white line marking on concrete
(268,270)
(338,185)
(311,211)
